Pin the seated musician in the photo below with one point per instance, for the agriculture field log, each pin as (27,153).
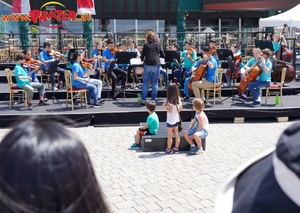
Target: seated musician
(276,46)
(81,80)
(97,53)
(212,44)
(264,79)
(188,57)
(237,54)
(132,48)
(25,82)
(209,76)
(47,57)
(108,56)
(32,66)
(250,64)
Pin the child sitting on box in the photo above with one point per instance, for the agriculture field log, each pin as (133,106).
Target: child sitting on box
(151,126)
(198,129)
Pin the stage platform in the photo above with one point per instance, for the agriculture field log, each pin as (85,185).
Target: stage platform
(130,112)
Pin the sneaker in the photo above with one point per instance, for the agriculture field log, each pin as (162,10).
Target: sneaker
(186,99)
(55,88)
(135,146)
(29,107)
(198,150)
(98,104)
(175,150)
(255,104)
(192,150)
(101,100)
(42,103)
(241,98)
(168,151)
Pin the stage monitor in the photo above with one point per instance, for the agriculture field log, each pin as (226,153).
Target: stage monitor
(171,54)
(124,57)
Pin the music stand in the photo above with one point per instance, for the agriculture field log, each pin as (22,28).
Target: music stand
(264,44)
(171,55)
(124,57)
(51,70)
(226,54)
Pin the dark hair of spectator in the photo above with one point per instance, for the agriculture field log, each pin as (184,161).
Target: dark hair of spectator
(20,56)
(151,105)
(45,168)
(173,94)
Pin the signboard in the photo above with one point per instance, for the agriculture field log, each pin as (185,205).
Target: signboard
(43,15)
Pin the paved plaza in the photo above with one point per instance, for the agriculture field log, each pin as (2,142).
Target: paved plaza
(134,181)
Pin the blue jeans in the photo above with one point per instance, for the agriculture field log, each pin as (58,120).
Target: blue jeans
(186,71)
(255,88)
(164,72)
(92,91)
(185,88)
(151,73)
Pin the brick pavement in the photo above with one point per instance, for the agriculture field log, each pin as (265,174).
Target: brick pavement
(135,181)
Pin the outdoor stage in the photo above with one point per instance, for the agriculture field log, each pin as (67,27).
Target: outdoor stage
(130,112)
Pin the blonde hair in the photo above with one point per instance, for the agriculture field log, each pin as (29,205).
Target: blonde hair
(198,103)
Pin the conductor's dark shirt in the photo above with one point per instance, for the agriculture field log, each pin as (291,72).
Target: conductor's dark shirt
(151,53)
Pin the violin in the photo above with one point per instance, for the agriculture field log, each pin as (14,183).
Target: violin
(55,54)
(30,63)
(189,51)
(86,65)
(114,50)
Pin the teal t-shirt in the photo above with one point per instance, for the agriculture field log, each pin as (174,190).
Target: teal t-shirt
(275,46)
(266,76)
(19,70)
(187,63)
(153,123)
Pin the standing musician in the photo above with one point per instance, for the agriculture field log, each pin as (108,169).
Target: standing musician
(108,56)
(48,56)
(209,77)
(238,62)
(188,57)
(248,67)
(97,53)
(264,79)
(276,46)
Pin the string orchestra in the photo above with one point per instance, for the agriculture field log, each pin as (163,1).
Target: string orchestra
(191,73)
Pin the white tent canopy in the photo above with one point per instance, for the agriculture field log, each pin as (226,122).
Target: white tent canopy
(290,17)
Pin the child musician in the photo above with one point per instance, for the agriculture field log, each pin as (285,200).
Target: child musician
(109,56)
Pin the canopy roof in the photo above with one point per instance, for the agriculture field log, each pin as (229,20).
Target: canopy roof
(167,9)
(290,17)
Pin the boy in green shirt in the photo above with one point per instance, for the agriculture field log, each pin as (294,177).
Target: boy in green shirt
(151,126)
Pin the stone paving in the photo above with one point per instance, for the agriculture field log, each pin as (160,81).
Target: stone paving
(134,181)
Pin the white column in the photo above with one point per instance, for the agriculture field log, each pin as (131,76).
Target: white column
(115,26)
(240,29)
(220,29)
(199,34)
(157,26)
(136,30)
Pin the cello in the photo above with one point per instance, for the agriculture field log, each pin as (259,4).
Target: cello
(283,55)
(234,74)
(251,75)
(198,75)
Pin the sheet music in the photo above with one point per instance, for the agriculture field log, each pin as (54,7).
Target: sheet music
(137,61)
